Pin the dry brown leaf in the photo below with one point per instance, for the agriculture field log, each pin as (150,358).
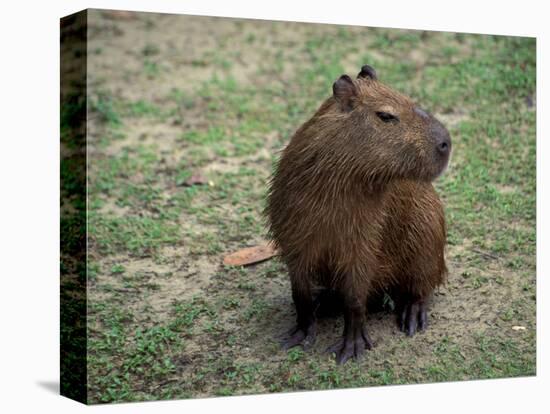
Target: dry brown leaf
(196,179)
(250,255)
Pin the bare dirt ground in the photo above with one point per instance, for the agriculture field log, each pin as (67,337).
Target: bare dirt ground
(173,96)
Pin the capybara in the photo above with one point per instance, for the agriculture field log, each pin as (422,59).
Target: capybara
(352,209)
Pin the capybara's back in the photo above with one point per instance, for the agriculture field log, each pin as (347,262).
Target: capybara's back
(352,208)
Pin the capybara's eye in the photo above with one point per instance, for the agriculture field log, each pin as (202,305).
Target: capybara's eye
(387,117)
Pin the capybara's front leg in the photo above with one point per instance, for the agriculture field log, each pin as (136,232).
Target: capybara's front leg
(412,315)
(304,331)
(355,339)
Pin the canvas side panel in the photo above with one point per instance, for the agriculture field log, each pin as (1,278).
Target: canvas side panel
(73,381)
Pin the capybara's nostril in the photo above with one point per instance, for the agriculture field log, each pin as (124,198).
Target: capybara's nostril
(444,146)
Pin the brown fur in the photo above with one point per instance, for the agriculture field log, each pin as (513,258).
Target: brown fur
(352,208)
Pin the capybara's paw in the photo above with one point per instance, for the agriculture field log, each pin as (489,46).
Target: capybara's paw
(351,346)
(299,336)
(413,317)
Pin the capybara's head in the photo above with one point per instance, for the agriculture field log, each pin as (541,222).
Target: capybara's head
(377,133)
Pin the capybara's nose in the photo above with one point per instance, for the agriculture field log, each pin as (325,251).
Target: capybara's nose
(442,138)
(444,145)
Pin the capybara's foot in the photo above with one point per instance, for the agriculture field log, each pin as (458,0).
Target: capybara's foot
(351,346)
(299,336)
(413,317)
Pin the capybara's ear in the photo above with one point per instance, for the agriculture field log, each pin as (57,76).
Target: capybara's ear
(344,92)
(367,72)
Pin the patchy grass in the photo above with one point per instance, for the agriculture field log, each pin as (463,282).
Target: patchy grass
(167,320)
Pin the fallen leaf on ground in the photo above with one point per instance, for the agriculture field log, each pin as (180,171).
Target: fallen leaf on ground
(196,179)
(250,255)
